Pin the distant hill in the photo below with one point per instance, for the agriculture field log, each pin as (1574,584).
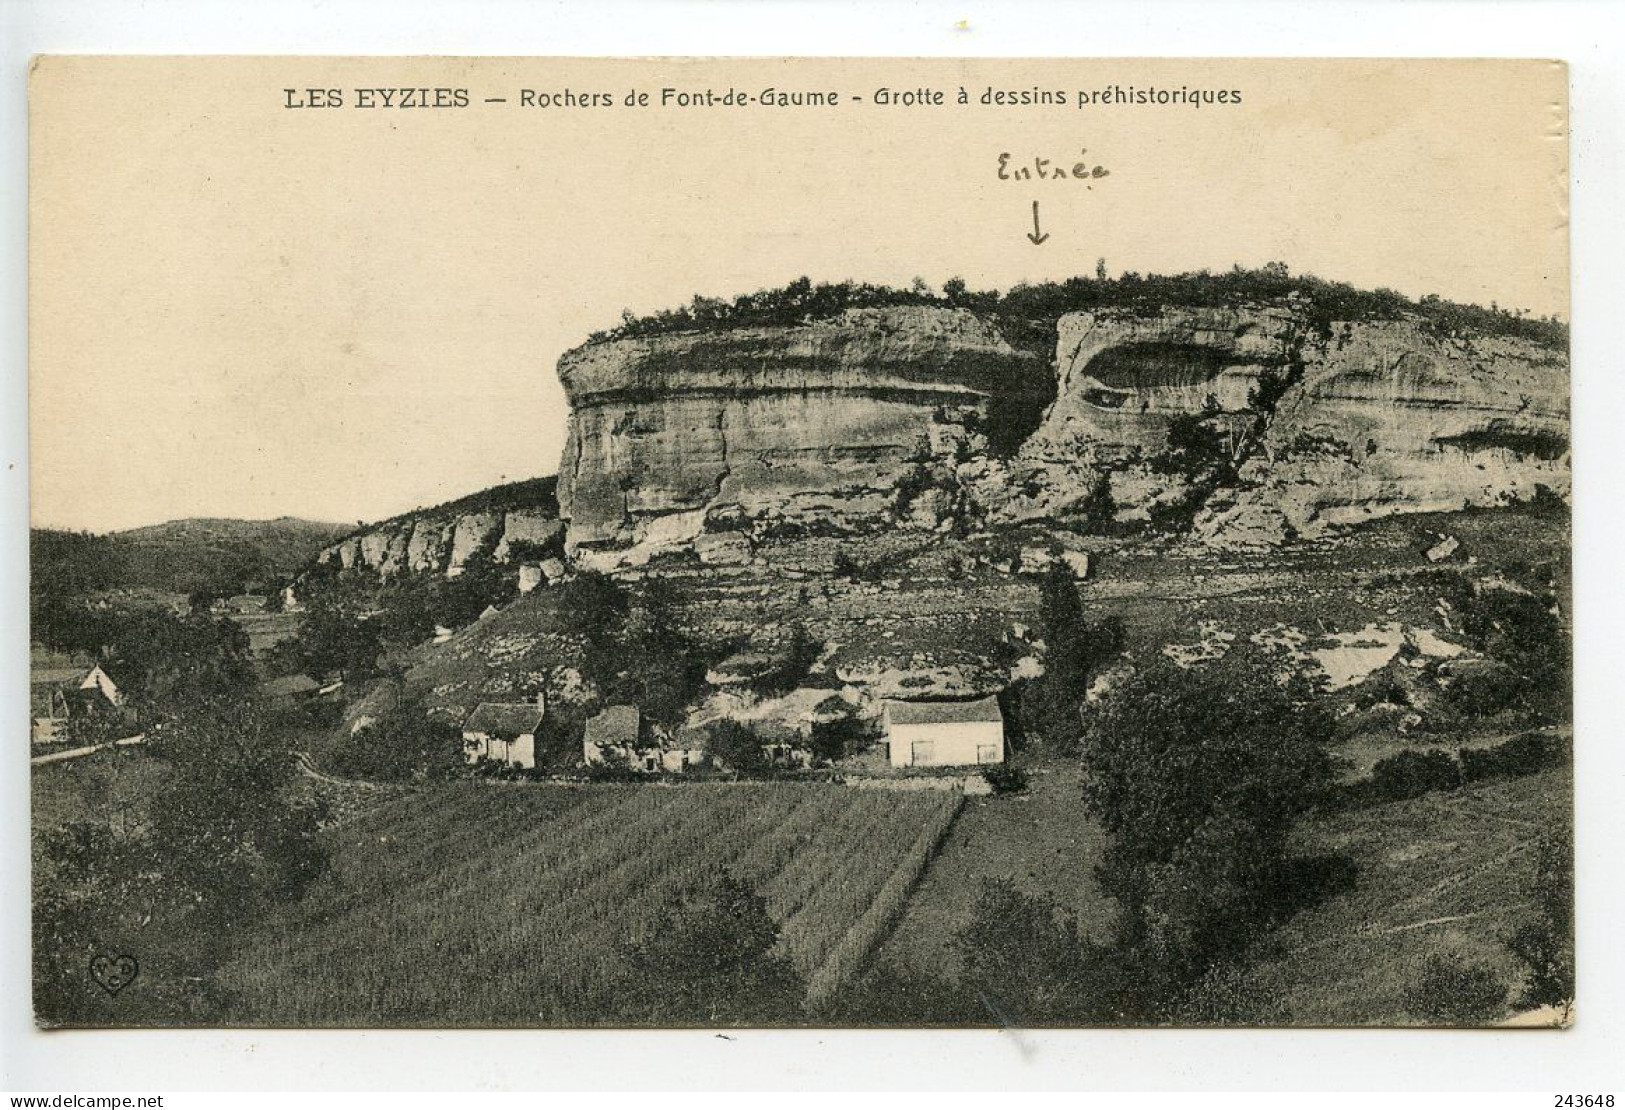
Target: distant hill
(213,555)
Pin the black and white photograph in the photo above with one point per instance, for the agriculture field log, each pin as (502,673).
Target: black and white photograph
(740,543)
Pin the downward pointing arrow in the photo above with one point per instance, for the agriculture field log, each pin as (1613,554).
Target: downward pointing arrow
(1036,235)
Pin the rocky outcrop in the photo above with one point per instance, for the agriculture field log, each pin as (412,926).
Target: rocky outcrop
(1388,417)
(1391,418)
(832,425)
(443,539)
(880,419)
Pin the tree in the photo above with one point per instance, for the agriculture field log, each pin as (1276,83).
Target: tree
(736,746)
(657,667)
(708,960)
(333,638)
(402,744)
(410,607)
(1524,631)
(1199,775)
(793,662)
(593,606)
(163,662)
(1546,944)
(1075,649)
(217,837)
(838,738)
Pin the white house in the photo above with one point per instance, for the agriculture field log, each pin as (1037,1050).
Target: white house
(944,733)
(503,731)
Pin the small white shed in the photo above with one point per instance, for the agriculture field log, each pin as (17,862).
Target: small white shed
(944,733)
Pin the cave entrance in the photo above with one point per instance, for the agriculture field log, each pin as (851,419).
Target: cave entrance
(1135,367)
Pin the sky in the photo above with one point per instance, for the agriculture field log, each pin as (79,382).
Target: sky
(243,309)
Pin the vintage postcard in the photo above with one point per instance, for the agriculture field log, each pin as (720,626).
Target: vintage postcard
(547,542)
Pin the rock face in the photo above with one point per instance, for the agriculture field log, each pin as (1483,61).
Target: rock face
(441,541)
(1388,417)
(882,419)
(1392,419)
(834,425)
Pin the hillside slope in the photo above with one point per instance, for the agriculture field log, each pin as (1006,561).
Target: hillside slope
(215,556)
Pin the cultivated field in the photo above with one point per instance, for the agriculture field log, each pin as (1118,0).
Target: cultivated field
(481,905)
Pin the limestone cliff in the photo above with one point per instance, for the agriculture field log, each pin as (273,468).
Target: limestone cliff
(821,426)
(891,418)
(1389,416)
(520,517)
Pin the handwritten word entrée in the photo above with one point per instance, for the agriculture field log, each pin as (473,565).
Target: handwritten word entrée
(1048,169)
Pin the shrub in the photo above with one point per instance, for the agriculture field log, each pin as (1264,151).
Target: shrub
(403,744)
(1412,774)
(1457,990)
(613,768)
(736,746)
(1325,301)
(1028,962)
(1005,779)
(1522,755)
(1486,689)
(1546,943)
(711,958)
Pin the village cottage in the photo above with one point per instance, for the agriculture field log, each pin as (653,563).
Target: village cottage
(944,733)
(613,734)
(617,734)
(504,732)
(61,689)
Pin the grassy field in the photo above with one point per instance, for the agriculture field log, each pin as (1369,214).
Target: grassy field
(1040,841)
(1445,872)
(483,905)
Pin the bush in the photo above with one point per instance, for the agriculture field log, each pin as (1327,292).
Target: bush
(1457,990)
(1412,774)
(712,958)
(735,746)
(612,769)
(1005,779)
(1545,944)
(1027,960)
(1325,302)
(403,744)
(1522,755)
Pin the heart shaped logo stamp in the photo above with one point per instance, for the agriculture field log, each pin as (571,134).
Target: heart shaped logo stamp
(114,973)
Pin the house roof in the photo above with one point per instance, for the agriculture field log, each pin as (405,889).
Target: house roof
(289,685)
(57,676)
(617,724)
(504,719)
(690,736)
(943,712)
(54,668)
